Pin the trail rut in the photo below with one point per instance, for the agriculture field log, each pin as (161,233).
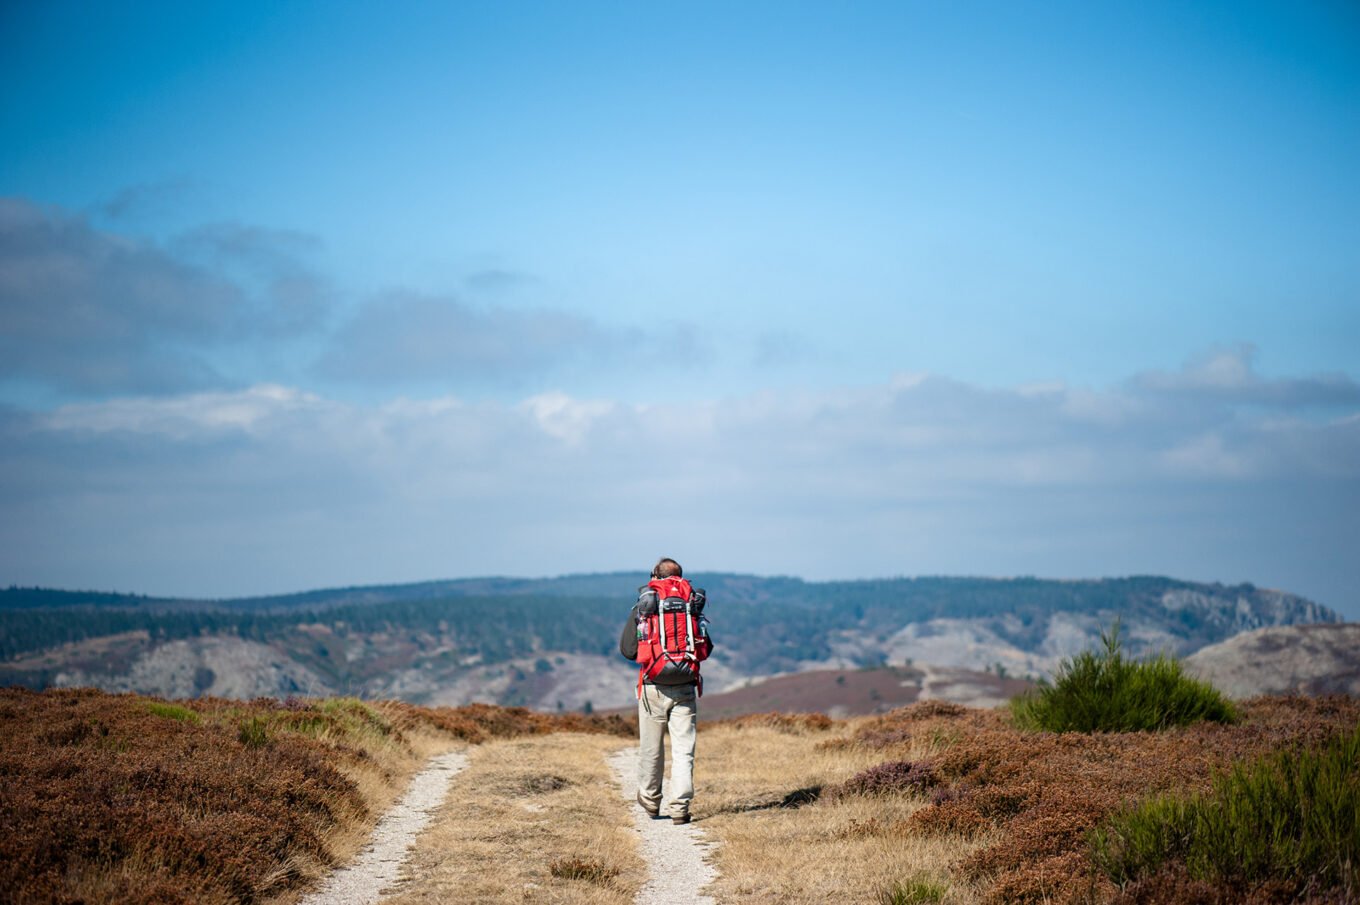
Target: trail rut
(675,855)
(377,866)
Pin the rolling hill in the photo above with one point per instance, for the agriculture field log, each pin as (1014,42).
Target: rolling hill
(551,643)
(1290,659)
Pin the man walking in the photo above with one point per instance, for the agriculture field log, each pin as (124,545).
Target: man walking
(667,635)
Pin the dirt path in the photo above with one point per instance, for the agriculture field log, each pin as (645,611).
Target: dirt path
(376,867)
(674,854)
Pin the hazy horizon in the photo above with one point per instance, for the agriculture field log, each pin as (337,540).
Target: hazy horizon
(697,576)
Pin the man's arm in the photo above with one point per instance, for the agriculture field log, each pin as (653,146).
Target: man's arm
(628,640)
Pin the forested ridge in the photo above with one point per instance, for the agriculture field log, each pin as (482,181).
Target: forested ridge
(779,620)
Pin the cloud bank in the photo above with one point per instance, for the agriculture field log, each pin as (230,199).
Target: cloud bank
(273,488)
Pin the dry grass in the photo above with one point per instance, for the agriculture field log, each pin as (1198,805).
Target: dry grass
(802,817)
(536,819)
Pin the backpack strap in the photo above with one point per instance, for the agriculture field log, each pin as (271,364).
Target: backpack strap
(661,623)
(690,626)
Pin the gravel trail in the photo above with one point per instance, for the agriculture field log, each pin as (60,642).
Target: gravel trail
(375,868)
(674,854)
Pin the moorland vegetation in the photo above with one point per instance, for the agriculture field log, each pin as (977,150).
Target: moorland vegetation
(1287,822)
(963,802)
(122,798)
(1161,797)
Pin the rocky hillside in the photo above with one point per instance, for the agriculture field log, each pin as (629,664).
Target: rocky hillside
(551,643)
(843,693)
(1294,659)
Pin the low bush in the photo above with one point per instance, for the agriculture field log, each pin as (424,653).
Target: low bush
(1104,691)
(916,891)
(791,723)
(172,711)
(887,778)
(938,722)
(253,732)
(1290,820)
(477,723)
(590,869)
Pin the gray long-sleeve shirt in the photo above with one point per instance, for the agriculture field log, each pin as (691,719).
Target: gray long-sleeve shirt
(628,642)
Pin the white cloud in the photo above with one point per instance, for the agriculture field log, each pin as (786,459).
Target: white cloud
(567,419)
(186,417)
(1207,455)
(1229,375)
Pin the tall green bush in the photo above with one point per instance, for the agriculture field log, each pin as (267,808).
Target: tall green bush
(1290,818)
(1104,691)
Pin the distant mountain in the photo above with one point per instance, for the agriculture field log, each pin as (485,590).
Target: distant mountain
(552,642)
(1293,659)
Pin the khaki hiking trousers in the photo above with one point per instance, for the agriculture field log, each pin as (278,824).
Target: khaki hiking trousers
(663,709)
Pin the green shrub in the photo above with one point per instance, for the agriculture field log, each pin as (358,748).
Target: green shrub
(353,716)
(1290,818)
(253,732)
(172,711)
(916,891)
(311,725)
(1104,691)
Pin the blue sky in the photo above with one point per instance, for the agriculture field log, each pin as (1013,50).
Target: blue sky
(305,294)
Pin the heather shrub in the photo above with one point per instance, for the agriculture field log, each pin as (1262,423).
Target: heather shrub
(1290,819)
(887,778)
(927,709)
(938,722)
(122,798)
(790,723)
(1105,691)
(477,723)
(116,798)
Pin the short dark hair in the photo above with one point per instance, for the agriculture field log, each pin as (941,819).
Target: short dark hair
(667,568)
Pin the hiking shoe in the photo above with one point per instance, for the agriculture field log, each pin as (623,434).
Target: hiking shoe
(651,811)
(680,818)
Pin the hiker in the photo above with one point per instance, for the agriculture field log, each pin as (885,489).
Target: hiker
(667,635)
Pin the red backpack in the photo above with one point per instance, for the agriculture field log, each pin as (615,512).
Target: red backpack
(672,633)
